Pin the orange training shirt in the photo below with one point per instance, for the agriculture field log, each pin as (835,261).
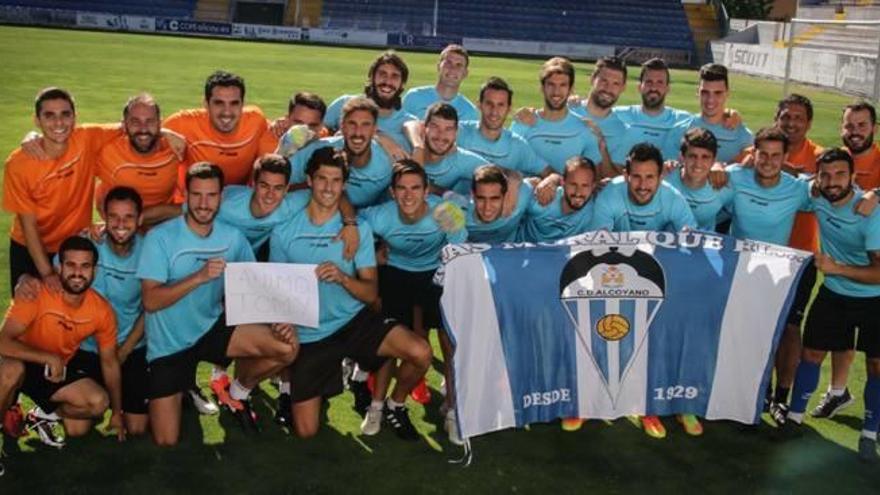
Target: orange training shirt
(153,176)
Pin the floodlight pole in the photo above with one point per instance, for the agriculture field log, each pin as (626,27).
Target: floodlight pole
(788,54)
(436,15)
(877,74)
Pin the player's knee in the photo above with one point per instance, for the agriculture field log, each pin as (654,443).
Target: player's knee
(305,429)
(420,353)
(97,402)
(11,374)
(165,440)
(812,356)
(290,353)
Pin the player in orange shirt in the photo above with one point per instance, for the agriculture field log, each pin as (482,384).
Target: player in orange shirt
(51,197)
(224,132)
(141,159)
(39,337)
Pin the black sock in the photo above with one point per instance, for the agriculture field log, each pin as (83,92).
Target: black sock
(781,395)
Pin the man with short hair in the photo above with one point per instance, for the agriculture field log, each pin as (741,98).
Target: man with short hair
(652,120)
(141,159)
(308,109)
(451,72)
(558,134)
(415,239)
(225,131)
(713,91)
(449,167)
(40,336)
(51,198)
(485,220)
(571,210)
(347,326)
(849,296)
(181,267)
(386,79)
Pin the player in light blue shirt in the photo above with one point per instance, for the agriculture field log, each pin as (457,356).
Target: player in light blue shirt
(651,121)
(557,133)
(451,71)
(640,200)
(486,221)
(370,164)
(698,149)
(488,137)
(848,298)
(713,92)
(180,268)
(571,211)
(386,79)
(346,325)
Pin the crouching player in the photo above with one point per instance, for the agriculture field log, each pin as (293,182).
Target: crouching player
(347,328)
(40,336)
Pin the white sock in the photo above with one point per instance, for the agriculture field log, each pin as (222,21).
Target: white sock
(52,416)
(217,372)
(284,387)
(836,392)
(392,404)
(238,391)
(359,375)
(377,404)
(870,434)
(796,417)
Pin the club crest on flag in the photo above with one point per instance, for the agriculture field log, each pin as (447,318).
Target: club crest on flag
(611,299)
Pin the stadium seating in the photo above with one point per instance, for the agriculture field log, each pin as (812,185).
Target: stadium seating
(160,8)
(637,23)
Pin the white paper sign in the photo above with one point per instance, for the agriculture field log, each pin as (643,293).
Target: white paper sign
(271,293)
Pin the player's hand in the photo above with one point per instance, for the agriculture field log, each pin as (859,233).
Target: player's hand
(419,155)
(279,126)
(95,232)
(212,269)
(53,282)
(575,100)
(56,369)
(791,168)
(603,146)
(176,142)
(391,147)
(545,191)
(27,288)
(526,116)
(351,240)
(749,160)
(732,119)
(826,264)
(285,332)
(122,353)
(117,425)
(865,205)
(718,177)
(32,145)
(329,272)
(382,254)
(669,166)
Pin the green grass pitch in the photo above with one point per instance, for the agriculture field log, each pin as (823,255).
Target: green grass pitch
(103,69)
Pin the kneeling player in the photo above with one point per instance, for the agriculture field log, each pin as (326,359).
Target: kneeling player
(40,336)
(347,328)
(849,296)
(180,270)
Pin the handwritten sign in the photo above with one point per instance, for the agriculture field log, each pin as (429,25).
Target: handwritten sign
(271,293)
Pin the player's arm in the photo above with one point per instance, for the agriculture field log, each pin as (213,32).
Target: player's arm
(364,287)
(414,131)
(11,347)
(38,252)
(113,382)
(157,295)
(349,233)
(867,274)
(135,336)
(394,150)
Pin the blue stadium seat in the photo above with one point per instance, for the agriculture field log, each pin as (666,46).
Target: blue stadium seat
(159,8)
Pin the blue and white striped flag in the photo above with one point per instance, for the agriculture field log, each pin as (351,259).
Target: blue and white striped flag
(605,325)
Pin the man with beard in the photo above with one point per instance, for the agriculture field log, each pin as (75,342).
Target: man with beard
(347,327)
(370,163)
(488,137)
(485,221)
(570,212)
(651,121)
(181,270)
(857,132)
(448,166)
(225,131)
(414,239)
(451,71)
(40,336)
(849,296)
(558,134)
(698,149)
(141,160)
(385,82)
(713,91)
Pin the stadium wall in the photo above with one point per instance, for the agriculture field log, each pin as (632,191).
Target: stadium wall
(34,16)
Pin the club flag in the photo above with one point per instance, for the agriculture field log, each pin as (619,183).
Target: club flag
(605,325)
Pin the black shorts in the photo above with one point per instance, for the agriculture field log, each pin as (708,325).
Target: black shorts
(262,252)
(20,262)
(402,290)
(175,373)
(135,382)
(833,319)
(802,296)
(317,371)
(41,390)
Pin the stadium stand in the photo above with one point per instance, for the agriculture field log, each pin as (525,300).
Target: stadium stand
(159,8)
(659,23)
(212,10)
